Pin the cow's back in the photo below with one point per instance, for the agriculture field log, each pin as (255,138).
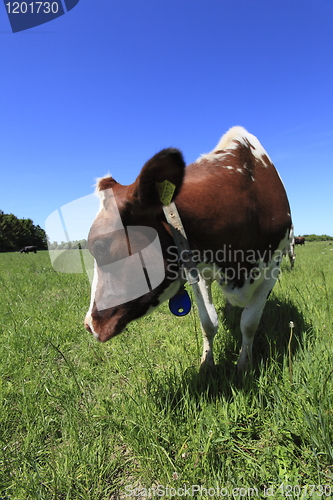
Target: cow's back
(235,196)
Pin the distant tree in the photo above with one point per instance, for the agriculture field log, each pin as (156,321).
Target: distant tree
(16,233)
(53,246)
(41,236)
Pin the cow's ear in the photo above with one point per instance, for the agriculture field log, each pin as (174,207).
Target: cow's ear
(104,183)
(159,181)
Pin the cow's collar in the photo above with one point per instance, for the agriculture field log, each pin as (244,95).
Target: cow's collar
(187,263)
(185,257)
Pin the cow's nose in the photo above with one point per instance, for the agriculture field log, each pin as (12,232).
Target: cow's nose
(87,327)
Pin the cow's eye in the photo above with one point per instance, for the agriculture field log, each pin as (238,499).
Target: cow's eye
(100,248)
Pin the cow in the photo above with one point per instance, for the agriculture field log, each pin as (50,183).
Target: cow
(299,240)
(28,249)
(235,212)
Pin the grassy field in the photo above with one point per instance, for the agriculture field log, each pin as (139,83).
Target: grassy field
(133,419)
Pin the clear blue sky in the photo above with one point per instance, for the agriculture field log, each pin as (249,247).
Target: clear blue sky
(105,86)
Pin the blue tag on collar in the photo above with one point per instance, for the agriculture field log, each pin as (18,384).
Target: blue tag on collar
(180,304)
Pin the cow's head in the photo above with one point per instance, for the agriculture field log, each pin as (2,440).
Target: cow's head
(130,242)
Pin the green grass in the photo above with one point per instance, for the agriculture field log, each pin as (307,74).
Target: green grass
(82,420)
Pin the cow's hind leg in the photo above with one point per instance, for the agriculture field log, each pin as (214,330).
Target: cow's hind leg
(251,316)
(208,320)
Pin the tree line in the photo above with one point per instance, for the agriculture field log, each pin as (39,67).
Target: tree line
(68,245)
(16,233)
(317,237)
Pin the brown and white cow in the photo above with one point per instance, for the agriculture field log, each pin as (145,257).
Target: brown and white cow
(236,215)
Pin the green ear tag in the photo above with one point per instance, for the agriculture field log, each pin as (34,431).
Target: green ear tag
(165,190)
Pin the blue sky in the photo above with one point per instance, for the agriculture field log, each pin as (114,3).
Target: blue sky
(107,85)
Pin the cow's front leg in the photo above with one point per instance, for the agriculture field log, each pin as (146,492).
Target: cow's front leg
(208,320)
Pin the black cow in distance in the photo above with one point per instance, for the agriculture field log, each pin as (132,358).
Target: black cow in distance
(28,249)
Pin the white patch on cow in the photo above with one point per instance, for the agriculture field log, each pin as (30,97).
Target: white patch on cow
(263,160)
(229,142)
(93,287)
(115,223)
(240,296)
(240,170)
(101,193)
(257,150)
(88,318)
